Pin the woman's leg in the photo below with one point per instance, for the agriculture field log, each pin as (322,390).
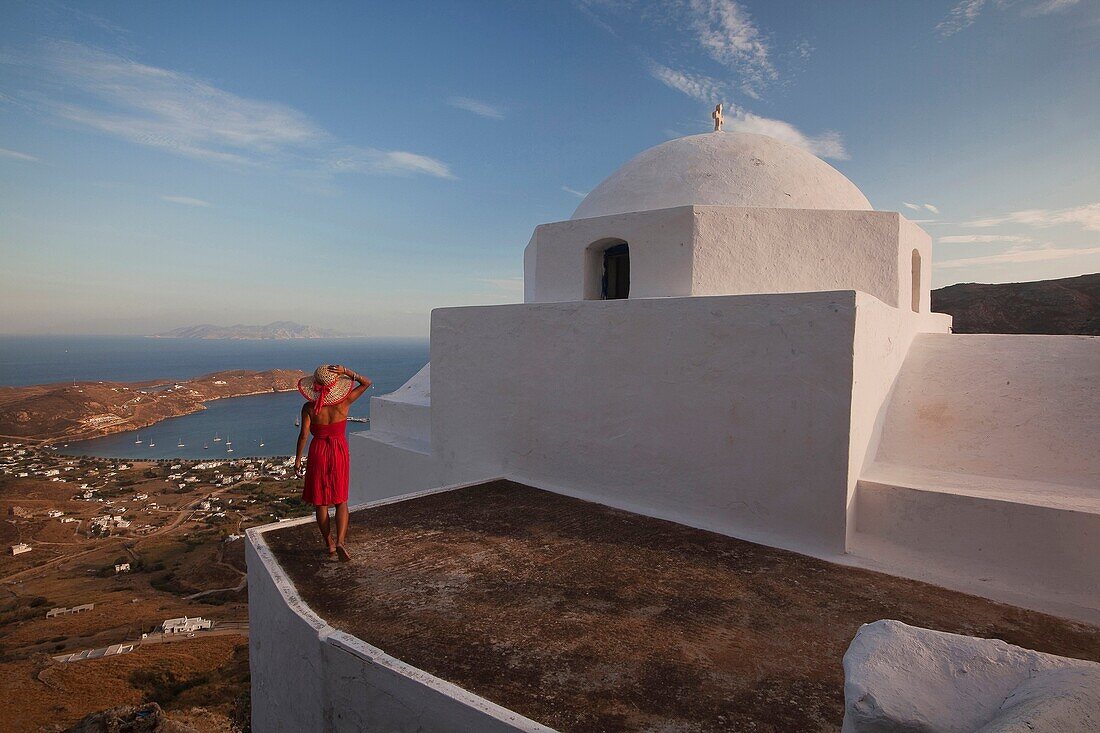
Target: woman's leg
(322,524)
(342,529)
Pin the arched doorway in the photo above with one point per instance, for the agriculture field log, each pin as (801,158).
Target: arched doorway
(607,270)
(616,272)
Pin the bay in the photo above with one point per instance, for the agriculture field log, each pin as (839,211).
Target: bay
(247,421)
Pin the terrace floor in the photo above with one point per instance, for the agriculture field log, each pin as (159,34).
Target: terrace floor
(586,618)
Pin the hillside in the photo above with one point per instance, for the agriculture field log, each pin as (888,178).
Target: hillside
(276,330)
(83,410)
(1067,306)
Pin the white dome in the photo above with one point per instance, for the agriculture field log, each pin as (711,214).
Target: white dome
(723,169)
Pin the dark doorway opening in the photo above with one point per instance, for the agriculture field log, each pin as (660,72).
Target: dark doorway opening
(616,272)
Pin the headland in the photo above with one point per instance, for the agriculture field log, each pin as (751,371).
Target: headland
(81,410)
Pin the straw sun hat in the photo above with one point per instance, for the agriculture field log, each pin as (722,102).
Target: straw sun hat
(325,387)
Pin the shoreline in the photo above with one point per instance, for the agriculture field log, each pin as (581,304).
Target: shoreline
(45,415)
(128,427)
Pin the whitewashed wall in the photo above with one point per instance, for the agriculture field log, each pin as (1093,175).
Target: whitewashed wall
(721,250)
(660,254)
(308,676)
(729,413)
(793,250)
(1015,406)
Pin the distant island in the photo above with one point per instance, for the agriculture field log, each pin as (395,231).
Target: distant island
(279,330)
(1068,305)
(80,410)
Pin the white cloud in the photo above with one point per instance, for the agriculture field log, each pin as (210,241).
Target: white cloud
(575,192)
(185,201)
(729,36)
(932,208)
(961,16)
(1087,216)
(722,29)
(828,144)
(914,207)
(1046,7)
(182,114)
(482,109)
(398,161)
(697,86)
(981,238)
(15,154)
(1021,256)
(966,12)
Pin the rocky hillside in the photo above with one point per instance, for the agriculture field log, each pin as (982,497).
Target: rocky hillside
(274,330)
(88,409)
(1070,306)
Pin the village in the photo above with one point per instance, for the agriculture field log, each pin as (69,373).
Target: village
(140,560)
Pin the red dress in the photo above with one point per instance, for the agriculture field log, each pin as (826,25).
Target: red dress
(327,464)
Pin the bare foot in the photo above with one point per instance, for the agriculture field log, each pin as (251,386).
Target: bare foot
(344,556)
(331,547)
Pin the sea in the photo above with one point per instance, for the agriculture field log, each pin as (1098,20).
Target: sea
(242,423)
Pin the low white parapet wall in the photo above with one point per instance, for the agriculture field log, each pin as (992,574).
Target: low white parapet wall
(308,676)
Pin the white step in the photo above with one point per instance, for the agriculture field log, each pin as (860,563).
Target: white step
(1024,538)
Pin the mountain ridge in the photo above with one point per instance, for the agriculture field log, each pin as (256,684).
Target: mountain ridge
(276,330)
(1069,305)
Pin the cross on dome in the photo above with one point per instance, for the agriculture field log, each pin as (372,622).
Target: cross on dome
(717,116)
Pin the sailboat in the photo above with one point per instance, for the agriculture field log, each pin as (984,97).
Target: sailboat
(228,442)
(261,442)
(152,444)
(205,446)
(216,438)
(180,444)
(138,441)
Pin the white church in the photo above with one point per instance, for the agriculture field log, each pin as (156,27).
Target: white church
(727,335)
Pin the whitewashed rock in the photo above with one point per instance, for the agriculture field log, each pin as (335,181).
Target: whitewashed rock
(904,679)
(1055,700)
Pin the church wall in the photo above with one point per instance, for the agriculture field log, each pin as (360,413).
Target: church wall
(883,336)
(750,250)
(307,676)
(530,268)
(912,237)
(728,413)
(385,465)
(1020,407)
(555,261)
(283,655)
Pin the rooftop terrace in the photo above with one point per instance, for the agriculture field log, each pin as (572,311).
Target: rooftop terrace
(586,618)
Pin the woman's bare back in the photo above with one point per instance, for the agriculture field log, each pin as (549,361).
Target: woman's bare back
(328,414)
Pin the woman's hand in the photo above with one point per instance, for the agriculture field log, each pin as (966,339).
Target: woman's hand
(339,370)
(298,467)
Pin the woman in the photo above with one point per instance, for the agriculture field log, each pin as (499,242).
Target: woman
(330,392)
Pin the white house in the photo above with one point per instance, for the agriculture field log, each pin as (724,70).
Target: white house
(19,548)
(186,625)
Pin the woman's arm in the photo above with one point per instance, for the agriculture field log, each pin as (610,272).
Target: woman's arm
(363,386)
(302,435)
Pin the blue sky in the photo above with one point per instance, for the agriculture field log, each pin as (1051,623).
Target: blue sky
(354,165)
